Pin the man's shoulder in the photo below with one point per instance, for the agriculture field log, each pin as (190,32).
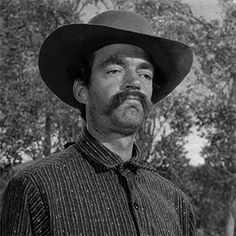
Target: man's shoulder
(53,163)
(166,186)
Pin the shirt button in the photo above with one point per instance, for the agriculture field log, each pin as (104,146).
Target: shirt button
(136,206)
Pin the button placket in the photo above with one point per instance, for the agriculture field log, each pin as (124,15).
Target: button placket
(133,196)
(130,183)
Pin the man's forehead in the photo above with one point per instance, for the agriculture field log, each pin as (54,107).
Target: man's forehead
(119,52)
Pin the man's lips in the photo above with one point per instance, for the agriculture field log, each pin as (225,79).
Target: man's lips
(133,102)
(134,98)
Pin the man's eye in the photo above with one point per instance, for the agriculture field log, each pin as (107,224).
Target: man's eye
(147,76)
(113,71)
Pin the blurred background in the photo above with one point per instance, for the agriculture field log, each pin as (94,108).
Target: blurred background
(190,138)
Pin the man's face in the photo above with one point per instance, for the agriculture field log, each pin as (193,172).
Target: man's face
(120,88)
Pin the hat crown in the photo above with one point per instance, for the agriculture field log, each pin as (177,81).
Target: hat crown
(125,20)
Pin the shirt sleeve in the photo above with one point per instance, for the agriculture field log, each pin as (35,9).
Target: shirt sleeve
(192,222)
(23,210)
(187,218)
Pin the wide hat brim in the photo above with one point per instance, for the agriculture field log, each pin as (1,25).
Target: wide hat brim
(65,48)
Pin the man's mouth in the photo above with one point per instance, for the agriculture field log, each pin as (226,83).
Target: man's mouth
(131,98)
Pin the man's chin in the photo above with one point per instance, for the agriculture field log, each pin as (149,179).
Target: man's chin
(128,121)
(127,128)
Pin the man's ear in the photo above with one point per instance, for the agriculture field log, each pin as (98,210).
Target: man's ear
(80,92)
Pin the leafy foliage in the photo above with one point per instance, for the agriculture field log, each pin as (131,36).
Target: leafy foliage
(31,115)
(34,121)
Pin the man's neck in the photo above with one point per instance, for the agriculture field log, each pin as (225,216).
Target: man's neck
(122,145)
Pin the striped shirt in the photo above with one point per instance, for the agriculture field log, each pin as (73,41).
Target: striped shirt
(88,190)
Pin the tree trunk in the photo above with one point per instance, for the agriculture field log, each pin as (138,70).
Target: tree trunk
(47,138)
(230,224)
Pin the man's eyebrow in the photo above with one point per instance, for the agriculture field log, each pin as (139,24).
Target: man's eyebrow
(113,59)
(116,60)
(146,65)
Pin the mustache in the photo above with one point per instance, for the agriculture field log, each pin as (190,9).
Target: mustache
(119,98)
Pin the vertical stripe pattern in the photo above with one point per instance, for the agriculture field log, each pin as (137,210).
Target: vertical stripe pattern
(88,190)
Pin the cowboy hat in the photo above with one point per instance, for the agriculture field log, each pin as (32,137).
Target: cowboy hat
(67,46)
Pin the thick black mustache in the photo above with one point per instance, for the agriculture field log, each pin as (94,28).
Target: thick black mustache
(119,98)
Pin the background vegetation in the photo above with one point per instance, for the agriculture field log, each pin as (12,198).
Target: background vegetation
(35,123)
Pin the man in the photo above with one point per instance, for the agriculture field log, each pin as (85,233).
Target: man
(113,69)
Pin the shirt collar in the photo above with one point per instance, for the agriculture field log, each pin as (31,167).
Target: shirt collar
(99,154)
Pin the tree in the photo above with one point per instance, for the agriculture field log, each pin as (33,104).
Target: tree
(33,120)
(31,117)
(216,113)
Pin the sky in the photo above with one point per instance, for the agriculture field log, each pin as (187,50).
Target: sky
(209,9)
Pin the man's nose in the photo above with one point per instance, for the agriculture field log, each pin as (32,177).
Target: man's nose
(131,82)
